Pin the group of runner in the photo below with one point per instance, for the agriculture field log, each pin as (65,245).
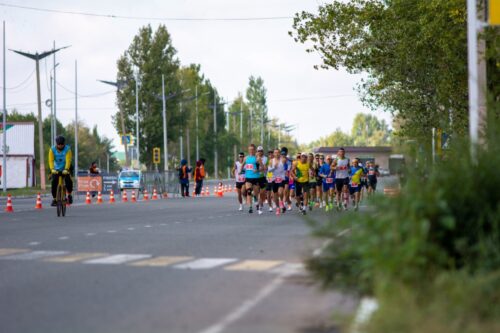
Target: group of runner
(312,180)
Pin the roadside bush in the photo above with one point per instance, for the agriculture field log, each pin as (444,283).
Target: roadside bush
(447,218)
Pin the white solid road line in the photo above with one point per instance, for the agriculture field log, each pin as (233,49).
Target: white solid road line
(205,263)
(34,255)
(246,306)
(117,259)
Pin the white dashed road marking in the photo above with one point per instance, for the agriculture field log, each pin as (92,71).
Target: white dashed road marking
(118,259)
(205,263)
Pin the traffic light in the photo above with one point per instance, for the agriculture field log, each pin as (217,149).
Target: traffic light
(156,155)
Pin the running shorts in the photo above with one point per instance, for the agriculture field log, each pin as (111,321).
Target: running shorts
(253,181)
(239,185)
(355,189)
(340,182)
(328,186)
(301,187)
(276,186)
(262,182)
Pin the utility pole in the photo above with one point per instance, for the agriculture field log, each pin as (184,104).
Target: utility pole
(119,85)
(216,162)
(76,122)
(182,134)
(262,127)
(477,75)
(137,117)
(54,101)
(51,101)
(4,120)
(197,133)
(165,145)
(241,121)
(37,57)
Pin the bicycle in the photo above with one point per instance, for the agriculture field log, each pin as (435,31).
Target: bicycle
(61,200)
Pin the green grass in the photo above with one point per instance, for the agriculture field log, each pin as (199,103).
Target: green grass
(455,302)
(27,191)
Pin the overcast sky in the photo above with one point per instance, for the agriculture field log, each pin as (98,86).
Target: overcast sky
(228,52)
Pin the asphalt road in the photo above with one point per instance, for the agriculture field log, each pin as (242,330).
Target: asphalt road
(176,265)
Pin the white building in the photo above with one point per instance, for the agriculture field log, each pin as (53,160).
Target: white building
(20,154)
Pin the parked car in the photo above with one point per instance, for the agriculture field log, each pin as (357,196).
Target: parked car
(130,179)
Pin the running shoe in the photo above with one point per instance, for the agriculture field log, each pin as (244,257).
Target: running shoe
(289,207)
(270,209)
(241,208)
(260,211)
(250,210)
(54,203)
(70,199)
(327,208)
(278,211)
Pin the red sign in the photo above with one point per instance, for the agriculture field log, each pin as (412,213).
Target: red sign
(89,183)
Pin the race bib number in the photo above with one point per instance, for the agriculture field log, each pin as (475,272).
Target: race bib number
(371,173)
(354,184)
(249,167)
(329,180)
(278,180)
(241,178)
(342,167)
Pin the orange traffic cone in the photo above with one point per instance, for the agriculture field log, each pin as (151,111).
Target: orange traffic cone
(220,193)
(38,204)
(87,199)
(9,208)
(99,197)
(155,194)
(215,191)
(124,196)
(207,192)
(133,199)
(145,195)
(111,197)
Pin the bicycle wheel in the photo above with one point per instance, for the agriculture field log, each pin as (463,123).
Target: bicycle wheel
(64,200)
(58,200)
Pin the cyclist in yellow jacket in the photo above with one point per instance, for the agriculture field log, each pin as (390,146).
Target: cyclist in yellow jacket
(60,161)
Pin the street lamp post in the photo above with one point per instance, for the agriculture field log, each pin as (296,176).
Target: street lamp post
(165,145)
(76,120)
(4,120)
(137,116)
(37,57)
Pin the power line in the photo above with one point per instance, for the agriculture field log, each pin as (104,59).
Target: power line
(22,83)
(113,16)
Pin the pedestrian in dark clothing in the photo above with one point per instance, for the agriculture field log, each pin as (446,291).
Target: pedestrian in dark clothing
(199,175)
(184,171)
(94,171)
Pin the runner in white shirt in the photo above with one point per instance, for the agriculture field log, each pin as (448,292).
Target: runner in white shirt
(278,168)
(239,175)
(341,167)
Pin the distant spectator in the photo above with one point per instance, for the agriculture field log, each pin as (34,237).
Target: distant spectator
(199,175)
(94,171)
(184,171)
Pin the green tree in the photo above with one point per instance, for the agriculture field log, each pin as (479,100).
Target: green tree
(414,52)
(368,130)
(150,55)
(256,97)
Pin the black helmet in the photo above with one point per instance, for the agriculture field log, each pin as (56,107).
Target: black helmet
(60,140)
